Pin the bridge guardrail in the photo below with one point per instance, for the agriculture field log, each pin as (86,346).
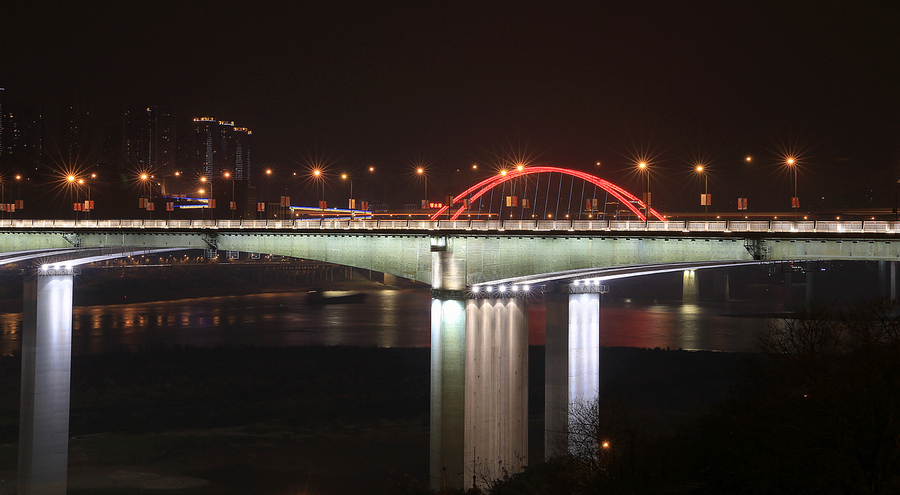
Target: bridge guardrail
(758,226)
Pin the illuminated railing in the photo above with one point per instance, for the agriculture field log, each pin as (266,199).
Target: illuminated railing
(736,226)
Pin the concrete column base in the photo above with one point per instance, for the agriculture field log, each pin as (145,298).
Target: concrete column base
(46,383)
(690,287)
(496,417)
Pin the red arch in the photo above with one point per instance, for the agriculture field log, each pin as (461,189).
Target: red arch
(486,185)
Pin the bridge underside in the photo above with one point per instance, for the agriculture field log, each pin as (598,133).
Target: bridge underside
(488,256)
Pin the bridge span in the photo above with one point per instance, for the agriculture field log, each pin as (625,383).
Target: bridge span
(479,343)
(492,250)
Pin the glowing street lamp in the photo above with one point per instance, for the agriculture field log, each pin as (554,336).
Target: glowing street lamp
(742,200)
(795,200)
(350,202)
(318,176)
(210,202)
(233,205)
(645,168)
(421,171)
(705,198)
(70,185)
(145,178)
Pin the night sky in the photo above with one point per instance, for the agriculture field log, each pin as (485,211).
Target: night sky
(453,83)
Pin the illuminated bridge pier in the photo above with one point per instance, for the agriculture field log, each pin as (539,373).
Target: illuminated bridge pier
(46,377)
(479,388)
(479,370)
(572,363)
(46,367)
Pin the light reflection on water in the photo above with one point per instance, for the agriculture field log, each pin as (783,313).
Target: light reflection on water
(721,326)
(389,318)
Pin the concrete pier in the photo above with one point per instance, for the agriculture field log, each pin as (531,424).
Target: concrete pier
(448,380)
(448,369)
(479,378)
(496,419)
(690,286)
(572,368)
(46,377)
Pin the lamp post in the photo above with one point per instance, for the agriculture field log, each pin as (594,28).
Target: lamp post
(371,187)
(210,202)
(145,178)
(346,177)
(645,168)
(421,171)
(70,183)
(232,204)
(20,203)
(704,199)
(317,176)
(742,201)
(201,191)
(795,201)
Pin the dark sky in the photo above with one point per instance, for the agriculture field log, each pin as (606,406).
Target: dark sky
(451,83)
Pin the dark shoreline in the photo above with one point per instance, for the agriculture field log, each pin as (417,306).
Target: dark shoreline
(316,395)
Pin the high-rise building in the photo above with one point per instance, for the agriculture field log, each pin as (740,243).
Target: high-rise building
(21,138)
(242,169)
(148,138)
(218,146)
(203,145)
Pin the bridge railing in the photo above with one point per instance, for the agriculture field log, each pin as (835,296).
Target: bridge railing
(761,226)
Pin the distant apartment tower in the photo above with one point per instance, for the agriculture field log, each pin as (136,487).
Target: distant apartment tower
(242,153)
(218,146)
(21,138)
(148,138)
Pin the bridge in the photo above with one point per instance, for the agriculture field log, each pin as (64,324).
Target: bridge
(480,271)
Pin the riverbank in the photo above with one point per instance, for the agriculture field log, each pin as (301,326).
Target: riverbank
(326,420)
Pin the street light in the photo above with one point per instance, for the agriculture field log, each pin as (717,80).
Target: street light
(644,167)
(421,171)
(742,201)
(210,202)
(350,201)
(70,182)
(795,201)
(704,198)
(317,176)
(145,178)
(19,203)
(232,204)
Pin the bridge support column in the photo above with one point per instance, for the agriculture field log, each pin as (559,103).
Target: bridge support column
(690,286)
(46,370)
(479,379)
(496,402)
(448,369)
(572,367)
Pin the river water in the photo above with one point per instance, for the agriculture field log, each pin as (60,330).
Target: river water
(388,318)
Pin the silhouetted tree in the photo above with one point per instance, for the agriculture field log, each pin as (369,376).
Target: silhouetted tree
(820,411)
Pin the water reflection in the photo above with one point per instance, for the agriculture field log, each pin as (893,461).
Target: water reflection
(385,319)
(721,326)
